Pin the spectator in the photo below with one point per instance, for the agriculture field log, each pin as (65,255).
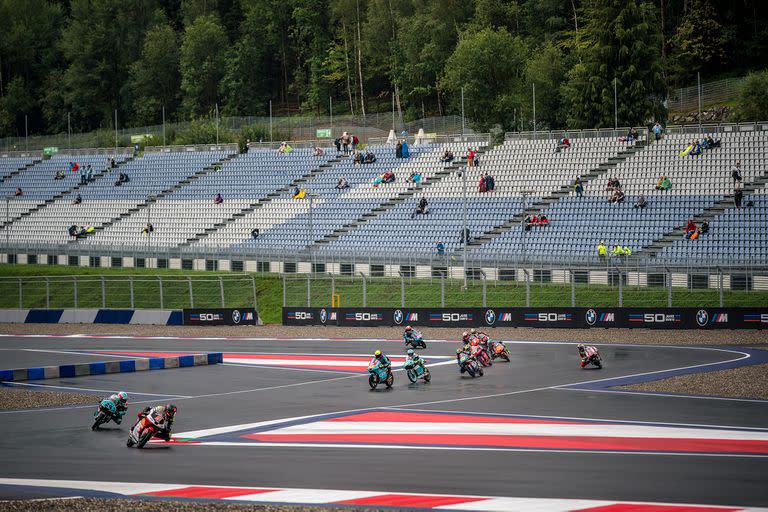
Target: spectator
(440,249)
(465,236)
(530,221)
(78,199)
(617,251)
(690,228)
(630,138)
(470,157)
(299,193)
(83,174)
(19,192)
(736,173)
(641,202)
(342,183)
(421,208)
(355,142)
(369,158)
(414,178)
(657,131)
(112,163)
(399,150)
(388,177)
(72,230)
(122,178)
(255,233)
(357,158)
(490,183)
(481,185)
(563,143)
(695,148)
(71,167)
(613,184)
(447,156)
(149,228)
(60,175)
(578,186)
(318,151)
(406,152)
(218,199)
(284,148)
(617,197)
(337,143)
(89,173)
(602,250)
(738,196)
(543,221)
(345,140)
(712,143)
(664,183)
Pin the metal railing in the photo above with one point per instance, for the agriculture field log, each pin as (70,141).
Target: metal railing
(720,91)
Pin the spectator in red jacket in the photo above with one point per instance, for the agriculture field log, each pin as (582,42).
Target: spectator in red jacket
(690,229)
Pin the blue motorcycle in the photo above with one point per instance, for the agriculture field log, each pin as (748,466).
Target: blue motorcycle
(379,373)
(106,411)
(416,371)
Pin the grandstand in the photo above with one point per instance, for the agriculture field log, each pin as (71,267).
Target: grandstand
(173,188)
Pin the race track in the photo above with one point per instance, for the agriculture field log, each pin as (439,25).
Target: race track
(528,428)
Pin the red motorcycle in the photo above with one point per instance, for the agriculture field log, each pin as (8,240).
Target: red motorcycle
(480,352)
(498,350)
(148,426)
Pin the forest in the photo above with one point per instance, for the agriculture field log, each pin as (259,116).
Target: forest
(77,61)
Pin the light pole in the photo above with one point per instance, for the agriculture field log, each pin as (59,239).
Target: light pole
(7,226)
(310,226)
(149,213)
(525,194)
(464,234)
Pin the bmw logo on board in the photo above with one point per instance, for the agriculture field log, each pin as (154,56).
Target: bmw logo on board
(490,317)
(323,316)
(591,317)
(398,317)
(702,317)
(236,316)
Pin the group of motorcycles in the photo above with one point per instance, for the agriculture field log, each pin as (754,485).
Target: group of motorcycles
(152,422)
(482,353)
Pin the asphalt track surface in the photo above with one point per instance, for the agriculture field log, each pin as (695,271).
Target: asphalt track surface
(58,444)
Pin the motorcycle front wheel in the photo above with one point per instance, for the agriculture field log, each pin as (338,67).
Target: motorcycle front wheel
(471,371)
(427,376)
(373,381)
(411,375)
(101,418)
(144,438)
(390,380)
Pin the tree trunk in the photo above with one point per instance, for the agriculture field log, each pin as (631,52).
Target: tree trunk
(346,63)
(360,61)
(664,42)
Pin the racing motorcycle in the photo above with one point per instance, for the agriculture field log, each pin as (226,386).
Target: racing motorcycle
(498,350)
(106,411)
(416,371)
(417,341)
(480,353)
(147,427)
(469,365)
(592,357)
(379,373)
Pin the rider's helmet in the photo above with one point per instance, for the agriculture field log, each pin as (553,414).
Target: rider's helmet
(410,352)
(475,342)
(170,411)
(377,353)
(464,336)
(122,396)
(473,331)
(460,350)
(408,328)
(581,348)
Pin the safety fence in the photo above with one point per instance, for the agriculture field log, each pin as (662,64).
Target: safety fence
(686,99)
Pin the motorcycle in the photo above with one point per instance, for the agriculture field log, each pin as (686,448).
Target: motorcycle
(379,373)
(481,354)
(416,371)
(594,359)
(468,364)
(147,427)
(417,341)
(499,350)
(106,411)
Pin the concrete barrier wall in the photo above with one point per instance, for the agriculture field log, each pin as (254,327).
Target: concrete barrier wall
(91,316)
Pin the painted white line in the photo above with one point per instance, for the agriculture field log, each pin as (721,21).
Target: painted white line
(665,395)
(469,448)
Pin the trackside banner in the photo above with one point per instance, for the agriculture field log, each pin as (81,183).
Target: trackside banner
(655,318)
(221,316)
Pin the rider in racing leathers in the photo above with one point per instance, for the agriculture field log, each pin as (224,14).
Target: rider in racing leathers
(121,405)
(414,358)
(163,416)
(410,335)
(464,349)
(465,337)
(384,360)
(586,353)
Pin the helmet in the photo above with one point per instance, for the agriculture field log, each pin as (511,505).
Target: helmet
(475,342)
(408,328)
(473,330)
(170,410)
(123,396)
(460,350)
(410,352)
(580,346)
(377,353)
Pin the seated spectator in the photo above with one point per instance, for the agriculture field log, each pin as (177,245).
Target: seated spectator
(299,193)
(578,186)
(543,221)
(369,158)
(630,137)
(690,228)
(617,251)
(89,173)
(422,208)
(78,199)
(218,199)
(664,183)
(60,175)
(378,181)
(255,233)
(490,183)
(71,167)
(19,192)
(405,151)
(563,143)
(617,197)
(738,197)
(358,158)
(613,184)
(399,150)
(440,248)
(342,183)
(122,178)
(149,228)
(530,221)
(641,202)
(72,230)
(657,131)
(447,156)
(388,177)
(695,148)
(318,151)
(736,172)
(482,186)
(627,251)
(112,163)
(712,143)
(284,148)
(414,178)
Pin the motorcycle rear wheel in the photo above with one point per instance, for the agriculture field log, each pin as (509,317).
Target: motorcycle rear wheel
(471,371)
(505,357)
(480,371)
(390,380)
(427,376)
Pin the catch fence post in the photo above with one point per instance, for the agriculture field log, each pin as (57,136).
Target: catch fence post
(333,288)
(160,282)
(720,285)
(21,294)
(442,290)
(621,290)
(191,294)
(74,289)
(365,290)
(402,290)
(484,289)
(253,286)
(669,289)
(309,290)
(130,285)
(284,291)
(103,294)
(573,289)
(221,289)
(527,288)
(47,293)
